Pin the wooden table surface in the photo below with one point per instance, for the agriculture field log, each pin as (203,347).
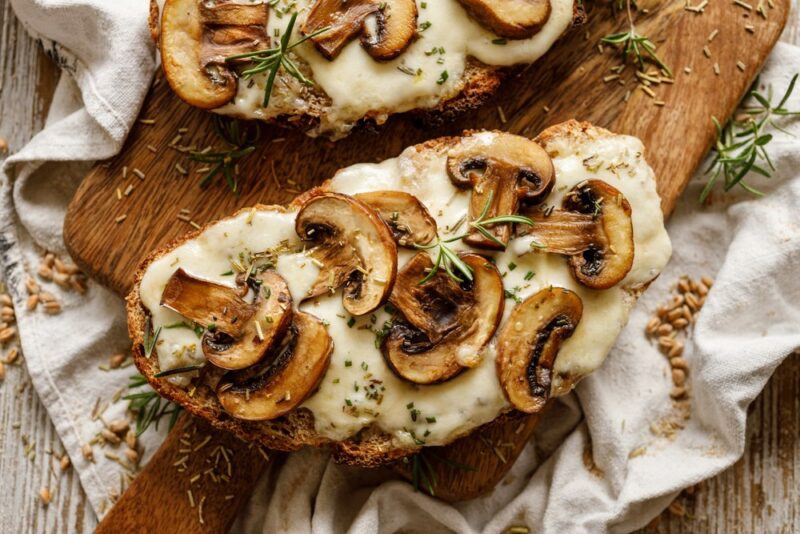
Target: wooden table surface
(760,493)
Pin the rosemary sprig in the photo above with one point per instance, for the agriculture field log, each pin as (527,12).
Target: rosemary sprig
(149,407)
(241,140)
(422,471)
(448,260)
(272,59)
(633,44)
(741,145)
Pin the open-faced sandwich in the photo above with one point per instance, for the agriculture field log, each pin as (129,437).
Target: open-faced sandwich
(327,65)
(404,304)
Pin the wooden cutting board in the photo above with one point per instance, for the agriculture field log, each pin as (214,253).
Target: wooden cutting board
(109,236)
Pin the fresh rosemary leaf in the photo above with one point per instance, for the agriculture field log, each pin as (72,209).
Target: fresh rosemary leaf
(272,59)
(241,139)
(149,406)
(150,339)
(741,145)
(450,261)
(634,45)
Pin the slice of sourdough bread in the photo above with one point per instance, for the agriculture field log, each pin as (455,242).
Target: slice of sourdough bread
(370,447)
(308,106)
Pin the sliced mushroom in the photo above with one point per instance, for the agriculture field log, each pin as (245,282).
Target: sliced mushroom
(353,248)
(502,170)
(404,214)
(444,325)
(197,36)
(386,27)
(607,260)
(207,303)
(282,382)
(514,19)
(272,317)
(528,345)
(594,230)
(238,333)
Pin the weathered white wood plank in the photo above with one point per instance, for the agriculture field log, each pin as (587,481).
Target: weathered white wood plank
(27,80)
(761,493)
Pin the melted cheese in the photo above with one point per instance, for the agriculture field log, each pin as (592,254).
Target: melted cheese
(358,86)
(359,389)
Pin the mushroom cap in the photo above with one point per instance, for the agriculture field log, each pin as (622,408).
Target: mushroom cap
(281,383)
(196,37)
(354,247)
(394,29)
(269,322)
(407,218)
(529,342)
(503,170)
(445,325)
(513,19)
(607,261)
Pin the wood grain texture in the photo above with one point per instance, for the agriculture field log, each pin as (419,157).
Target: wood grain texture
(27,82)
(210,504)
(769,470)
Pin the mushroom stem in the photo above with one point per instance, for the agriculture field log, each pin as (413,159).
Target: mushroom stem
(206,303)
(394,29)
(503,171)
(560,232)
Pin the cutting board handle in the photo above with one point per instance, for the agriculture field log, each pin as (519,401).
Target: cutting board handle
(198,481)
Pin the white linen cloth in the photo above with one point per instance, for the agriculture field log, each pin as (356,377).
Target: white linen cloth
(748,325)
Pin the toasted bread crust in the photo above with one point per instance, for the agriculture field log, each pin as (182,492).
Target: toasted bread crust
(481,81)
(371,447)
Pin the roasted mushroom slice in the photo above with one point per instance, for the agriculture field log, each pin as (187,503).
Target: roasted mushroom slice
(238,333)
(273,304)
(197,36)
(607,260)
(514,19)
(594,229)
(444,324)
(503,170)
(386,27)
(282,382)
(207,303)
(404,214)
(353,248)
(528,345)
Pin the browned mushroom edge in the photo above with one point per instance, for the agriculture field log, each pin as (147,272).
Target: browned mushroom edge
(237,334)
(529,343)
(394,28)
(283,381)
(408,218)
(353,248)
(593,228)
(442,326)
(512,19)
(196,37)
